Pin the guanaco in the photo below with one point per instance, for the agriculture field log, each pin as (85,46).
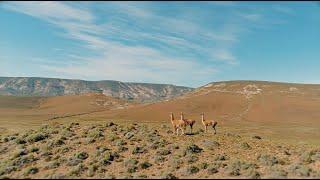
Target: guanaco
(207,123)
(189,122)
(177,124)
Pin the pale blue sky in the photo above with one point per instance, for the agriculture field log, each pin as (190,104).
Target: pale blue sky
(182,43)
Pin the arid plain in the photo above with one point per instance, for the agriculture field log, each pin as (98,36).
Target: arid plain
(264,130)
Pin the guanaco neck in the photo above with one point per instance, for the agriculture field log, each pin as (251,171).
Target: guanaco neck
(202,117)
(181,116)
(171,117)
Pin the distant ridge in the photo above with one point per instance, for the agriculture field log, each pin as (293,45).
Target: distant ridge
(37,86)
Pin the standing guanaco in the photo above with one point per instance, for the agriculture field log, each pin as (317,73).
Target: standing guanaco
(189,122)
(207,123)
(177,124)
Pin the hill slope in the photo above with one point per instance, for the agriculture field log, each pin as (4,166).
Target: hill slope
(247,100)
(276,109)
(21,113)
(34,86)
(260,128)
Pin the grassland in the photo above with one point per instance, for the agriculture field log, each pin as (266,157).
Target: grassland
(128,150)
(274,134)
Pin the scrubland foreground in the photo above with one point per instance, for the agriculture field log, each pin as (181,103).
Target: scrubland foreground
(128,150)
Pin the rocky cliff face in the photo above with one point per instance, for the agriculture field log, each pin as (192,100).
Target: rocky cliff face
(34,86)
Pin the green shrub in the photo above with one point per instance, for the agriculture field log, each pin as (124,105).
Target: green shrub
(130,162)
(138,150)
(5,139)
(53,165)
(212,170)
(237,166)
(245,146)
(192,170)
(95,134)
(37,137)
(176,163)
(20,152)
(82,155)
(77,170)
(120,142)
(163,152)
(220,157)
(145,165)
(192,149)
(267,160)
(159,159)
(276,173)
(7,169)
(132,169)
(108,156)
(34,149)
(20,141)
(91,170)
(32,170)
(252,174)
(122,149)
(300,170)
(55,143)
(109,124)
(113,137)
(105,162)
(67,133)
(210,145)
(306,157)
(169,176)
(256,137)
(192,159)
(204,165)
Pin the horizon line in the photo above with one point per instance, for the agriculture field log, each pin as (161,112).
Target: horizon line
(221,81)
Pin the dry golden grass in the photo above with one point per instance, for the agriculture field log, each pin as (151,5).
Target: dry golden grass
(127,150)
(287,119)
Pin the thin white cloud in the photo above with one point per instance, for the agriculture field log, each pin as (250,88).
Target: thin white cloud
(175,33)
(224,55)
(109,66)
(251,17)
(283,9)
(133,10)
(223,3)
(115,58)
(50,10)
(62,15)
(118,61)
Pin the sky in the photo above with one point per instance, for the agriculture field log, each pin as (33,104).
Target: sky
(182,43)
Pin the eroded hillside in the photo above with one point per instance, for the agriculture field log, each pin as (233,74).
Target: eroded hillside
(34,86)
(278,109)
